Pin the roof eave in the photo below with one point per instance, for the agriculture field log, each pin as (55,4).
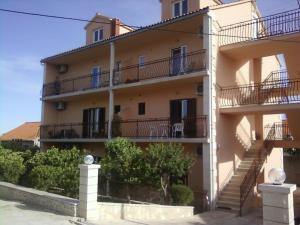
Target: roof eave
(129,34)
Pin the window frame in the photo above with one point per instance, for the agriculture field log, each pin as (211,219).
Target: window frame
(180,2)
(99,37)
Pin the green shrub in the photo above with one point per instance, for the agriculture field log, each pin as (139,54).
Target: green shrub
(56,169)
(11,166)
(181,194)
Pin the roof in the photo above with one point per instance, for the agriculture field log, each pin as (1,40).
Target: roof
(128,34)
(98,15)
(26,131)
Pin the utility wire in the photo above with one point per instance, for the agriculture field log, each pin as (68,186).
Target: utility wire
(140,27)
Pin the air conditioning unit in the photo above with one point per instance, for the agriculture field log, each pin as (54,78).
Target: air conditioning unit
(63,68)
(60,105)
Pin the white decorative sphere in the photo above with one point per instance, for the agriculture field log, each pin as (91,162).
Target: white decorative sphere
(277,176)
(88,160)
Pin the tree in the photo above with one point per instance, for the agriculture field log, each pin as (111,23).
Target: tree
(122,162)
(161,161)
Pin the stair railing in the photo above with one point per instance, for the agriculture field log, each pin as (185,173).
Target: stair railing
(252,174)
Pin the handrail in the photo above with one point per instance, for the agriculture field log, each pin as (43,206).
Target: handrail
(278,131)
(252,174)
(164,67)
(193,127)
(259,28)
(269,92)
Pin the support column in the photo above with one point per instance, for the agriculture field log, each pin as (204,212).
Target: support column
(209,109)
(111,93)
(278,204)
(43,106)
(88,191)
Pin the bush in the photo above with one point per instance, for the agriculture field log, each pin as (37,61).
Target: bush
(11,166)
(181,194)
(56,169)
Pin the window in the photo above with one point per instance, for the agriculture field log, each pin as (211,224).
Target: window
(93,123)
(142,108)
(141,61)
(180,8)
(98,35)
(117,109)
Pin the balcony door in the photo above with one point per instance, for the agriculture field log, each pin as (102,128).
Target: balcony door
(96,76)
(94,123)
(178,60)
(184,111)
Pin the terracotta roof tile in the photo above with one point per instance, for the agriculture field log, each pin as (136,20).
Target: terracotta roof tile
(26,131)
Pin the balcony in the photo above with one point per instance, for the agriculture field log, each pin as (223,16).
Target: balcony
(261,28)
(190,129)
(278,131)
(73,131)
(274,92)
(80,83)
(162,68)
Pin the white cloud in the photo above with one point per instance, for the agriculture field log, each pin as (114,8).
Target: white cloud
(21,75)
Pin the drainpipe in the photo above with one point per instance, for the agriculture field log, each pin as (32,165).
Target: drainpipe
(111,93)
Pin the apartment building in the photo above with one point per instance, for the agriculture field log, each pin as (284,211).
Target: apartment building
(207,76)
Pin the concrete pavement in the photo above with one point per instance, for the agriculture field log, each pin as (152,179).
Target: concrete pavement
(15,213)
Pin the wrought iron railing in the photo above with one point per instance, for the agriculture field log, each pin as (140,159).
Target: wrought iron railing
(81,83)
(74,131)
(276,76)
(262,27)
(191,127)
(249,180)
(167,67)
(271,92)
(278,131)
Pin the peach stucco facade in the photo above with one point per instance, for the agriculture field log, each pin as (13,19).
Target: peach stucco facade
(153,79)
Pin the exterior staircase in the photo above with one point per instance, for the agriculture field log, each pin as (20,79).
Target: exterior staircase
(230,197)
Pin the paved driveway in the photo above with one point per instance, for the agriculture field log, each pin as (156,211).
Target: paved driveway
(15,213)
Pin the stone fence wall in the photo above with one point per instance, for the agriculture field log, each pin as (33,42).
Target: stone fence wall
(110,211)
(58,203)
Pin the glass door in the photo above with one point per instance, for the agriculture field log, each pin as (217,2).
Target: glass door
(94,123)
(96,77)
(178,62)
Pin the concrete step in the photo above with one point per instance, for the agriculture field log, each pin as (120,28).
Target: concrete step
(229,203)
(229,198)
(234,194)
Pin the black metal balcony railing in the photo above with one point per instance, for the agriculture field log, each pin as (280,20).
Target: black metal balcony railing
(82,83)
(278,131)
(74,131)
(192,127)
(172,66)
(277,76)
(274,92)
(262,27)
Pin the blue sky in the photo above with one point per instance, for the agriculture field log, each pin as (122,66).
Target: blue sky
(24,40)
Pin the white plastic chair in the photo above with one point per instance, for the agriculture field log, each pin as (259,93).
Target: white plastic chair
(178,127)
(153,131)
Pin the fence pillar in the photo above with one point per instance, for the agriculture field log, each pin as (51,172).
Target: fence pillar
(278,204)
(88,191)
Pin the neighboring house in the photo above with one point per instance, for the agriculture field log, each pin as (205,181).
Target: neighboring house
(206,77)
(27,134)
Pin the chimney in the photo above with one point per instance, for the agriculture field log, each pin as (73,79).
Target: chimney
(115,27)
